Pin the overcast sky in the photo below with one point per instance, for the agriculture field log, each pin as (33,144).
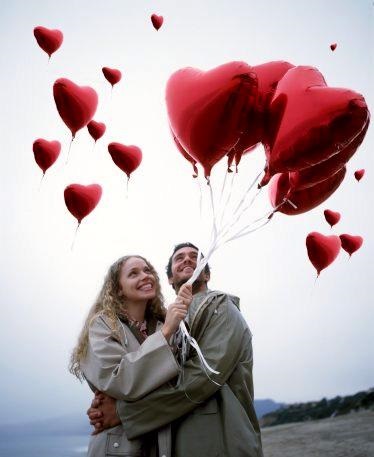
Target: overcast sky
(310,341)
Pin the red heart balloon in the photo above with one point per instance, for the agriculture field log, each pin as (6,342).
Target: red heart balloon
(96,129)
(127,158)
(112,75)
(46,152)
(351,243)
(49,40)
(333,46)
(305,199)
(332,217)
(211,111)
(322,250)
(157,21)
(359,174)
(318,173)
(310,122)
(75,104)
(81,200)
(268,76)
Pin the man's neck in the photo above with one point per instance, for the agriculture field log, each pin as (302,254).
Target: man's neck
(199,287)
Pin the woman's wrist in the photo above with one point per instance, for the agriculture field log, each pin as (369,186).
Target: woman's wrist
(166,332)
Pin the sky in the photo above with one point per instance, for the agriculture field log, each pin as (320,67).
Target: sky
(311,340)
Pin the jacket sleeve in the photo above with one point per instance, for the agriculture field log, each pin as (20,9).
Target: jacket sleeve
(127,375)
(220,343)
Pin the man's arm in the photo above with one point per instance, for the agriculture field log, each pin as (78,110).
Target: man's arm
(220,342)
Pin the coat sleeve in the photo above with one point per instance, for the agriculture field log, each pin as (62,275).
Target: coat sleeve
(220,343)
(127,375)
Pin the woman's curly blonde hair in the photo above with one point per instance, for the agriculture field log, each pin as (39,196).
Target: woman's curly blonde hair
(110,303)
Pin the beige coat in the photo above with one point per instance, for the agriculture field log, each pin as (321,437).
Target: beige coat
(127,371)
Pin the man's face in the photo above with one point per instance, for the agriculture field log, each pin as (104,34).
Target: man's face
(183,265)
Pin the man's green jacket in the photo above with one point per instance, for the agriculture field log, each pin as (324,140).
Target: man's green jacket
(207,420)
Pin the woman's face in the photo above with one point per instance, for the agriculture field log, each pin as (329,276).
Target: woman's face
(137,283)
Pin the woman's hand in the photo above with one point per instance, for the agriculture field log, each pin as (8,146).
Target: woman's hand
(177,311)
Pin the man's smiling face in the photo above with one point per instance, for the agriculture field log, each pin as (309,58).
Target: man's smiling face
(183,265)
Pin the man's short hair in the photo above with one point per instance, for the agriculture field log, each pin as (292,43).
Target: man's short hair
(187,244)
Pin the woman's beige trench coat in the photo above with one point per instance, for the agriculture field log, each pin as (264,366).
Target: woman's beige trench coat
(127,371)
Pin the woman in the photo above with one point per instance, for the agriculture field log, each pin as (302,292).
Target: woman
(123,349)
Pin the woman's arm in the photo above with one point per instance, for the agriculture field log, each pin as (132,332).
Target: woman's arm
(127,376)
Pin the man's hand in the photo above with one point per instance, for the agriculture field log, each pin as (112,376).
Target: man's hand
(102,413)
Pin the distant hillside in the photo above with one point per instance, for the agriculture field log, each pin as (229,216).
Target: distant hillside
(300,412)
(266,406)
(77,424)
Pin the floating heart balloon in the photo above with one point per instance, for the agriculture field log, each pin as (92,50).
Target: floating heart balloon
(333,46)
(323,170)
(112,75)
(211,111)
(332,217)
(322,250)
(127,158)
(268,76)
(96,129)
(81,200)
(75,104)
(300,201)
(157,21)
(310,122)
(49,40)
(351,243)
(359,174)
(46,153)
(186,156)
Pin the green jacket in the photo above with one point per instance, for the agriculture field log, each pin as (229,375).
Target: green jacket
(207,420)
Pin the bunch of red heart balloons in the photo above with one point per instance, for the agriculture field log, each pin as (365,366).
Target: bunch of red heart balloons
(76,106)
(309,132)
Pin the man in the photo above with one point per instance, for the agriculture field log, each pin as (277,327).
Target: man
(208,419)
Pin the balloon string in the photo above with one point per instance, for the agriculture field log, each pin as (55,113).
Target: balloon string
(127,187)
(229,226)
(247,192)
(213,211)
(223,186)
(228,199)
(41,181)
(200,199)
(71,142)
(75,236)
(268,216)
(93,148)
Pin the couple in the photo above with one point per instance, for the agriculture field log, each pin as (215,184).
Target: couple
(127,353)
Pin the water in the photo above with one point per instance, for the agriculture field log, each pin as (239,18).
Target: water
(43,446)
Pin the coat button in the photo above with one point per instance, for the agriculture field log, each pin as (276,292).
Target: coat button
(115,445)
